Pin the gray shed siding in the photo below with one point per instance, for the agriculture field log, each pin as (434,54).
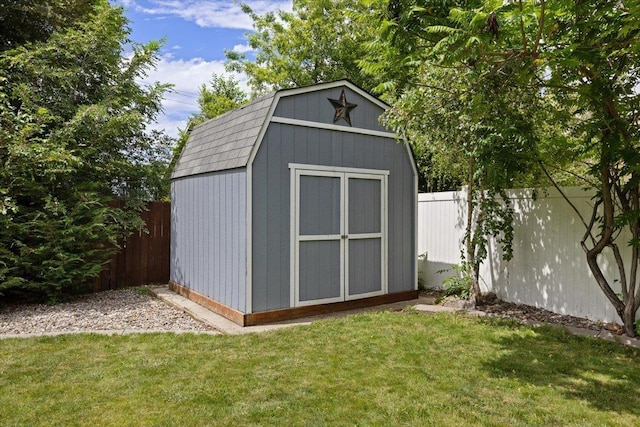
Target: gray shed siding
(283,144)
(314,106)
(208,235)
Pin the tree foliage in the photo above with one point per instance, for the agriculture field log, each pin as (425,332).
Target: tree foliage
(462,118)
(583,59)
(72,136)
(222,95)
(23,21)
(319,41)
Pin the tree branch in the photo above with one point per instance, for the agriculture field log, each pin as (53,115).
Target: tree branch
(561,87)
(540,27)
(564,196)
(580,177)
(623,275)
(522,34)
(594,216)
(435,88)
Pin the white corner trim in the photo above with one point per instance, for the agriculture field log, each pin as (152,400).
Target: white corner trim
(412,160)
(415,229)
(416,197)
(249,231)
(329,126)
(263,130)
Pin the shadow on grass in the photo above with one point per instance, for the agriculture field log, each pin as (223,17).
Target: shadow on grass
(603,374)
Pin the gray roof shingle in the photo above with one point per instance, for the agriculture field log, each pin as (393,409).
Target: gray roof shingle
(224,142)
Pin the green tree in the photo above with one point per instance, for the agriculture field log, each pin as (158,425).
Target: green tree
(471,136)
(474,139)
(146,178)
(23,21)
(585,56)
(223,94)
(322,41)
(319,41)
(72,135)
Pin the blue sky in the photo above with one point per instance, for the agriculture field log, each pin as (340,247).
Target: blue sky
(196,34)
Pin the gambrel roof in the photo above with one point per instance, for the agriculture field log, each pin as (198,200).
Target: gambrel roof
(228,141)
(224,142)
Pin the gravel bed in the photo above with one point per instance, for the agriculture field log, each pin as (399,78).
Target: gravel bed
(116,310)
(529,314)
(136,310)
(494,307)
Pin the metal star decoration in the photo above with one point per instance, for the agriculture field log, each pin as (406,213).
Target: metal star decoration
(343,108)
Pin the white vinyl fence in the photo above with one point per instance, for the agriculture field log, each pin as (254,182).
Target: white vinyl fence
(549,268)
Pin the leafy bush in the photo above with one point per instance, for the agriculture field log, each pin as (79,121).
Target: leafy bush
(458,285)
(72,138)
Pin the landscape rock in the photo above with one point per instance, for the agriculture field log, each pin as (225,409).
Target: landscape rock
(529,314)
(132,309)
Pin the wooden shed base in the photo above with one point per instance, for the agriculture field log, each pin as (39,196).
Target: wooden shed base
(273,316)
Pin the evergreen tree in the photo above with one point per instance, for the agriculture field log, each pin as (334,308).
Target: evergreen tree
(72,136)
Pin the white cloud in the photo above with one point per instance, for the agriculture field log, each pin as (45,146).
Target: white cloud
(242,48)
(209,13)
(187,75)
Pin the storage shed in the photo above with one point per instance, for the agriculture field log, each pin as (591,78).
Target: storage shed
(297,203)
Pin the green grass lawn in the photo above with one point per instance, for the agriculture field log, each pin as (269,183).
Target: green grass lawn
(383,369)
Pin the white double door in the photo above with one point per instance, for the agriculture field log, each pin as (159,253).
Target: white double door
(339,234)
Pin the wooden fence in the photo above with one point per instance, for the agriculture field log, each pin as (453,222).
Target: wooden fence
(144,258)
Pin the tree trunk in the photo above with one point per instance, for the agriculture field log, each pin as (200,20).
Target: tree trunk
(474,294)
(472,268)
(625,307)
(474,273)
(629,318)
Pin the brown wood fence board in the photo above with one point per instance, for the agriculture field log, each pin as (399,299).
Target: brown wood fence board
(118,271)
(130,250)
(144,257)
(164,248)
(154,243)
(150,243)
(147,252)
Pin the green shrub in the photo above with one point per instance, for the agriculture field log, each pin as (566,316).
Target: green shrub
(53,252)
(459,284)
(72,138)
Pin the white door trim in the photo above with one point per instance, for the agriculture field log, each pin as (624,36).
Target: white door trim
(296,171)
(321,168)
